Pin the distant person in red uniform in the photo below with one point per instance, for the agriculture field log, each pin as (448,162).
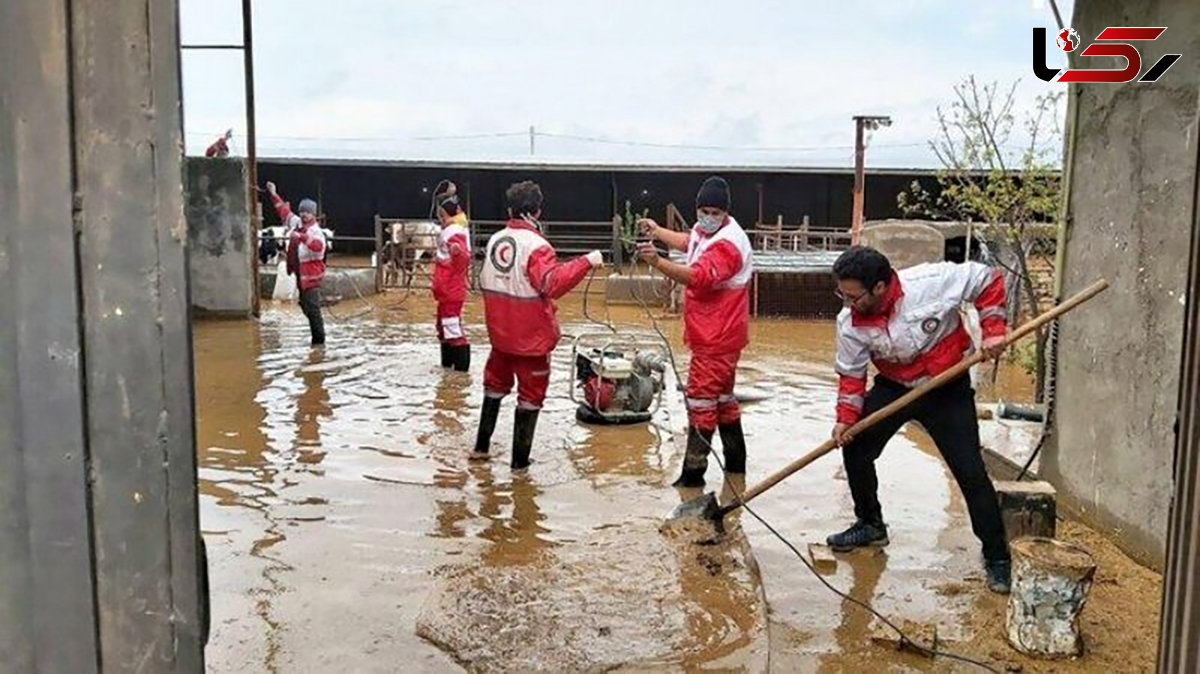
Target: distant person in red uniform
(716,318)
(220,147)
(521,278)
(305,257)
(451,266)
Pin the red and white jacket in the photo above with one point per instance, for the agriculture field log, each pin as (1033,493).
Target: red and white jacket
(452,262)
(520,279)
(306,245)
(918,332)
(716,306)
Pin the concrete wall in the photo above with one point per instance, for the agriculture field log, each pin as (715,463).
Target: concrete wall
(100,551)
(1131,178)
(219,236)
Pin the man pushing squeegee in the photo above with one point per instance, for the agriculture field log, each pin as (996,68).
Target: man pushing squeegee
(908,324)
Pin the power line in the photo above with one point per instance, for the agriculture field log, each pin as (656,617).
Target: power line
(374,139)
(724,148)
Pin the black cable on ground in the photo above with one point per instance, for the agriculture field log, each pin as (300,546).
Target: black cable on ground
(905,640)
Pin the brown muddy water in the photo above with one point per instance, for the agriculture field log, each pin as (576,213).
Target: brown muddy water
(348,532)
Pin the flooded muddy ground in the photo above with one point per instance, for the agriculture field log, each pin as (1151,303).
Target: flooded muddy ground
(347,531)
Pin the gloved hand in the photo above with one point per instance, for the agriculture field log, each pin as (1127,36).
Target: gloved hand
(595,258)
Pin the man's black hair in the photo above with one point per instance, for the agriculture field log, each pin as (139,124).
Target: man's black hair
(524,198)
(863,264)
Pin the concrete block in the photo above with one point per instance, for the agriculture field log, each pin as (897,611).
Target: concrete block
(1028,508)
(822,558)
(220,239)
(1050,584)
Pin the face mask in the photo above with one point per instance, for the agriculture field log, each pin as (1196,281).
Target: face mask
(710,223)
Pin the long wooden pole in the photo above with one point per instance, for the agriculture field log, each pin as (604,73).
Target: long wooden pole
(943,378)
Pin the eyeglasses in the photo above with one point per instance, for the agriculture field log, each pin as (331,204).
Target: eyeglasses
(852,299)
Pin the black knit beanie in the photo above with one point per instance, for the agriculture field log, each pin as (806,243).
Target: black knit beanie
(448,203)
(714,193)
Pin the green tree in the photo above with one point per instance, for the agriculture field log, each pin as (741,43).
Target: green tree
(1004,174)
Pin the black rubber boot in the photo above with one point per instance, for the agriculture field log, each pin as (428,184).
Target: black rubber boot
(999,575)
(487,425)
(446,359)
(524,426)
(733,445)
(695,459)
(460,357)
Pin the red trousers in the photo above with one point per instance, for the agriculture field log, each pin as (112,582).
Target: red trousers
(710,399)
(531,372)
(450,328)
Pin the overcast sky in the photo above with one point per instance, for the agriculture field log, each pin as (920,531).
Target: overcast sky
(760,82)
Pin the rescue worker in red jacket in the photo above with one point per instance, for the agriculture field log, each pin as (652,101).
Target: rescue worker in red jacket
(909,325)
(521,278)
(220,147)
(451,265)
(305,257)
(716,318)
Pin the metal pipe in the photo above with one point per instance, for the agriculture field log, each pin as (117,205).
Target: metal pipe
(251,142)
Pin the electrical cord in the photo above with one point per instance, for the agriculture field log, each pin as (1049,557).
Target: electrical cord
(905,640)
(587,289)
(359,314)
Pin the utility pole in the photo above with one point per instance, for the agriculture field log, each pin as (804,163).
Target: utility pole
(251,149)
(861,123)
(532,136)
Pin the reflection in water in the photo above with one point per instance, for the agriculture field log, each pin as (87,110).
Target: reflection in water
(867,567)
(517,534)
(605,454)
(311,407)
(733,487)
(450,402)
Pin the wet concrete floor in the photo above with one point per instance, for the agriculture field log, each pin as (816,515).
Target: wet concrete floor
(347,531)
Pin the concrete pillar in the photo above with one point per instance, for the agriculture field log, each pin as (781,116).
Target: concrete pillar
(1179,640)
(98,512)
